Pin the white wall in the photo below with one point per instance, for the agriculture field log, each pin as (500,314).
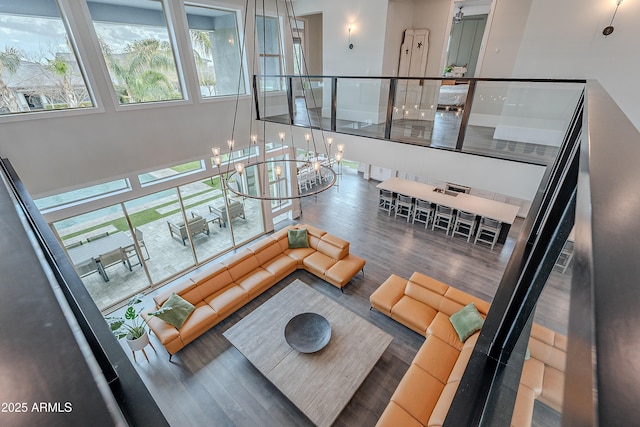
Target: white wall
(564,40)
(399,18)
(433,15)
(499,176)
(505,34)
(368,18)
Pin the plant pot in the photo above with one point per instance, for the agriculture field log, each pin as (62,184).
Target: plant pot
(138,343)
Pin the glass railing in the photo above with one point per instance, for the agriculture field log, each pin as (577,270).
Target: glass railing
(522,120)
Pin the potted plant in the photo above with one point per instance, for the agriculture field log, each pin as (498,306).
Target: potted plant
(131,325)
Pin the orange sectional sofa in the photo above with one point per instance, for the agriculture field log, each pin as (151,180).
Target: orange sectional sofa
(427,389)
(224,287)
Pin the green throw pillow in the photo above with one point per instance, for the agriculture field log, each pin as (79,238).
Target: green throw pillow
(467,321)
(174,311)
(298,239)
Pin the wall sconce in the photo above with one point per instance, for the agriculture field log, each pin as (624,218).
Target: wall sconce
(608,30)
(350,44)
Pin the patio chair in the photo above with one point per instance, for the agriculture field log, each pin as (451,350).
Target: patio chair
(86,267)
(194,225)
(112,258)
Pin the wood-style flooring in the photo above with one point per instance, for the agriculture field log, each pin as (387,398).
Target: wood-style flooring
(210,383)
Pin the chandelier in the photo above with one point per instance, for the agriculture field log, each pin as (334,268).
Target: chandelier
(311,170)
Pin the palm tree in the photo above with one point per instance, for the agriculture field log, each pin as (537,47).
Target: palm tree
(10,60)
(140,72)
(62,69)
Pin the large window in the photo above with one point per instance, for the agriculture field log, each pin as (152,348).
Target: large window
(38,67)
(270,51)
(135,42)
(216,51)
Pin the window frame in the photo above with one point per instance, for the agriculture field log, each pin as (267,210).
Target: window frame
(170,26)
(280,55)
(79,51)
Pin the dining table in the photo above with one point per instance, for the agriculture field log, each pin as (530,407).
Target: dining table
(95,248)
(483,207)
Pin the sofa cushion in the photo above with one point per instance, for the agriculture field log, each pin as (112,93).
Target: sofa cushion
(298,238)
(165,332)
(202,319)
(413,313)
(241,264)
(174,311)
(523,408)
(547,354)
(394,416)
(299,254)
(315,234)
(281,266)
(343,271)
(418,393)
(429,283)
(532,375)
(317,263)
(333,247)
(552,388)
(228,299)
(441,409)
(424,295)
(186,289)
(256,281)
(388,294)
(265,250)
(212,280)
(443,329)
(436,357)
(467,321)
(458,299)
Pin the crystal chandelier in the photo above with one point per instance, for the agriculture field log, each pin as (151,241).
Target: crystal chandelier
(306,174)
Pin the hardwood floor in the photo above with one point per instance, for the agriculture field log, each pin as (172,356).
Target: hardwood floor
(210,383)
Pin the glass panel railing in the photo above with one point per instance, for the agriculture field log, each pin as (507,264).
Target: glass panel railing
(361,106)
(312,102)
(429,112)
(524,121)
(516,120)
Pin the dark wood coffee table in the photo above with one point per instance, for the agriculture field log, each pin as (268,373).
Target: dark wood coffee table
(319,384)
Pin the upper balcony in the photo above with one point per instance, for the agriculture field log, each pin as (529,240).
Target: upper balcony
(516,119)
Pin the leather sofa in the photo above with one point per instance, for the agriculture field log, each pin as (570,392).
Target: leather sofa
(222,288)
(425,393)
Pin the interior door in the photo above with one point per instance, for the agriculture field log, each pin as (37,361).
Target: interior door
(466,38)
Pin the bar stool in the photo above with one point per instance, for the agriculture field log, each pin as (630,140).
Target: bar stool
(465,224)
(422,212)
(443,218)
(404,206)
(488,231)
(386,201)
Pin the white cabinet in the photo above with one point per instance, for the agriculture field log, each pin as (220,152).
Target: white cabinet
(381,174)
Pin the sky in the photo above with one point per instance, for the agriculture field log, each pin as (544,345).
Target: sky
(33,35)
